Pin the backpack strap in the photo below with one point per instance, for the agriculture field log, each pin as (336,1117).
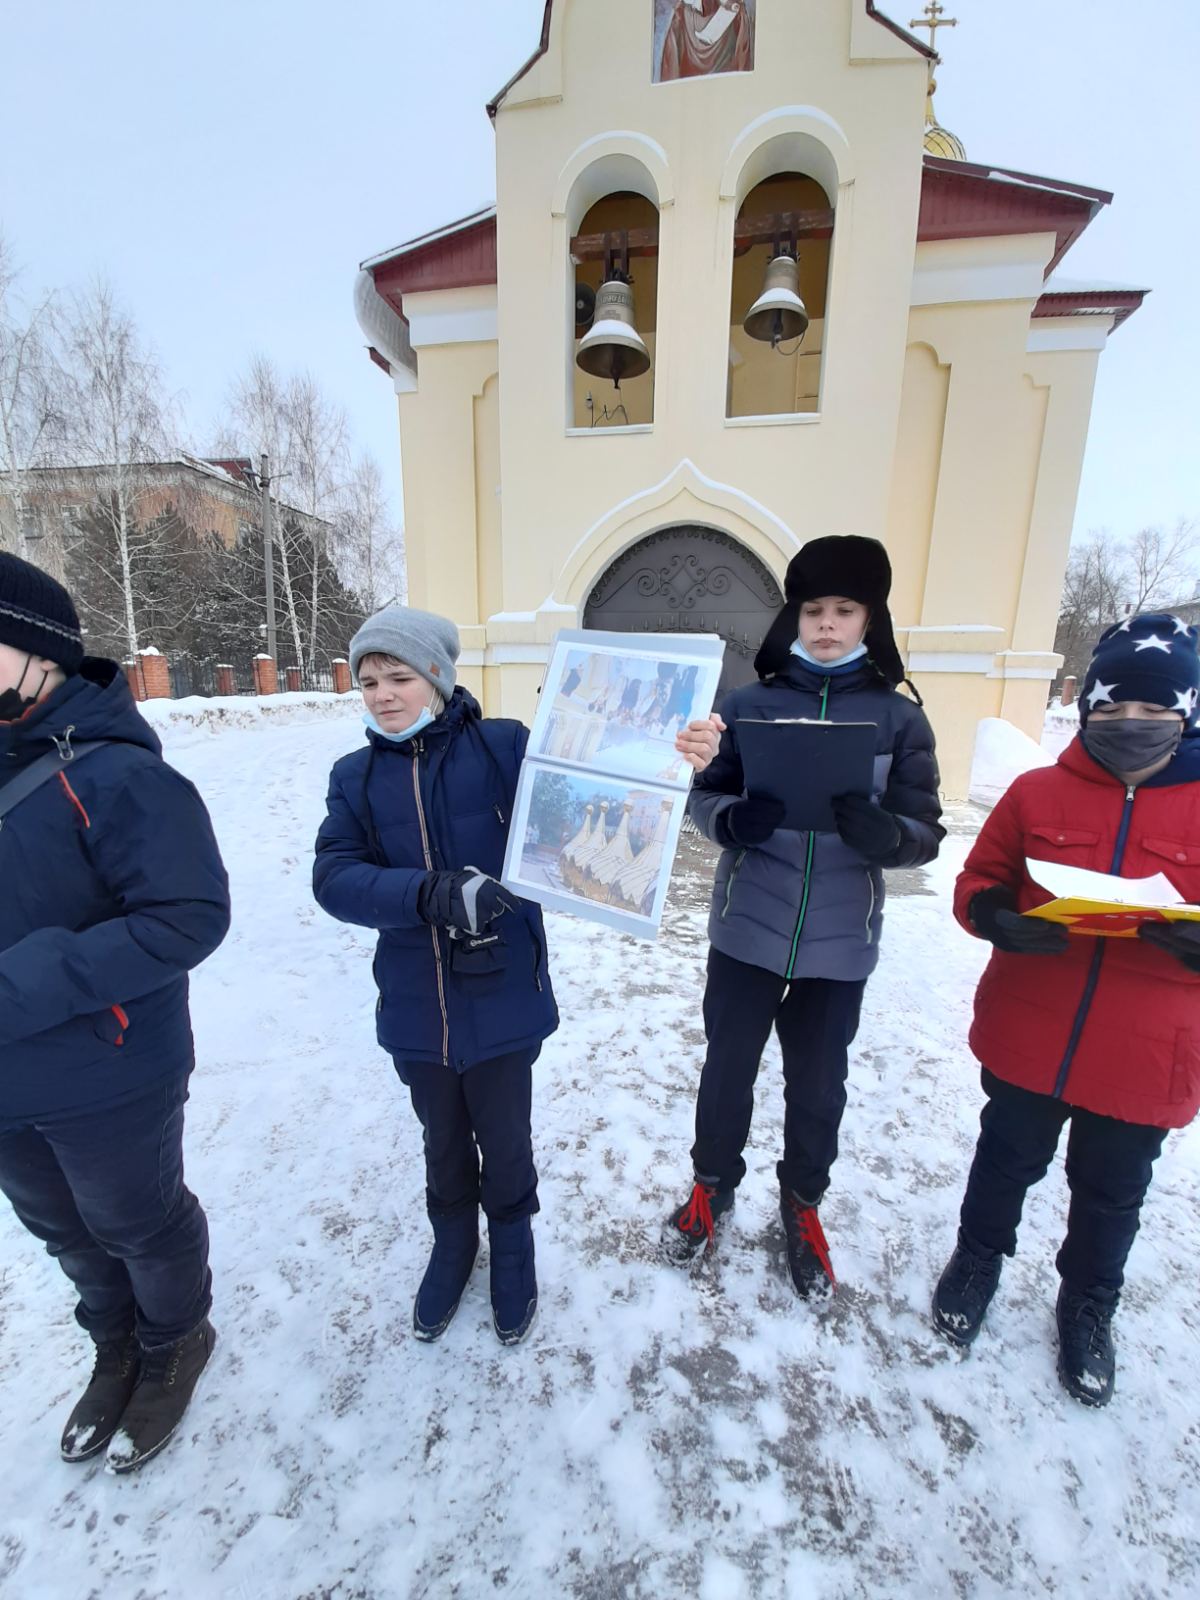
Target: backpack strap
(42,770)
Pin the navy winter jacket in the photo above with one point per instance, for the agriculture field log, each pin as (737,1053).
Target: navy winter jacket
(806,905)
(439,802)
(111,890)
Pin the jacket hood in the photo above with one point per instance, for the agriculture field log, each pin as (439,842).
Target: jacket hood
(96,703)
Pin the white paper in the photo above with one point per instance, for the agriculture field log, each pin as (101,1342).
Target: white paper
(1078,883)
(602,790)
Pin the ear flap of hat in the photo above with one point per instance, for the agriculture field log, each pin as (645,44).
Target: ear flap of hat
(776,648)
(881,647)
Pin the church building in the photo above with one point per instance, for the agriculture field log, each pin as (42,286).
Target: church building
(740,290)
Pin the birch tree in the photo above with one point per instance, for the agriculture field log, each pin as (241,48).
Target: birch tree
(118,423)
(372,543)
(319,458)
(32,418)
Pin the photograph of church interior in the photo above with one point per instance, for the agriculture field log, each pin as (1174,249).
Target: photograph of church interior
(739,290)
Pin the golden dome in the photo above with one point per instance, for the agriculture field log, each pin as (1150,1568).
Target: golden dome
(940,141)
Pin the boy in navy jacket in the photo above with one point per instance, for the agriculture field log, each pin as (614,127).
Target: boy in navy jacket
(111,890)
(413,845)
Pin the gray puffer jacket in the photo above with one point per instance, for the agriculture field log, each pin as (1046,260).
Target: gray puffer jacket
(806,905)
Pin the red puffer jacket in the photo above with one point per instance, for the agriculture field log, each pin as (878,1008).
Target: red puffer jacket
(1112,1025)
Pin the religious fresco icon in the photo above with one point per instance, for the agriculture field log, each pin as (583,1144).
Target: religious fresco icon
(697,38)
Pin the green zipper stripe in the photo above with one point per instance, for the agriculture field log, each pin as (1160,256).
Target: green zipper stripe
(812,840)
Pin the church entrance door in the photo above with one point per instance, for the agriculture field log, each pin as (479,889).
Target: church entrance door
(690,579)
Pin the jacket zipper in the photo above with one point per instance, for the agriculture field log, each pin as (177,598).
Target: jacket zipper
(437,949)
(1093,977)
(808,861)
(733,872)
(871,907)
(537,957)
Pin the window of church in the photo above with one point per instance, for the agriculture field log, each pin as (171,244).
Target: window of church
(783,379)
(595,402)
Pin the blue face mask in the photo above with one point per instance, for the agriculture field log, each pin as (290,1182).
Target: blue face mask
(423,721)
(860,650)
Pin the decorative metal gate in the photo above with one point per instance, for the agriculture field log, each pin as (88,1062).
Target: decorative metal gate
(690,580)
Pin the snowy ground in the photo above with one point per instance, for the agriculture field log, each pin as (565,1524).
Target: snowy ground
(658,1436)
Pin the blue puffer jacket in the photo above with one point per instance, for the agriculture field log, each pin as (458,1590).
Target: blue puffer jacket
(805,905)
(111,889)
(440,802)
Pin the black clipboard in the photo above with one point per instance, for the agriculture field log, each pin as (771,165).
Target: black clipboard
(805,764)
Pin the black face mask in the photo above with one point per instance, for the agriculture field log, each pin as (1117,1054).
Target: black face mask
(13,704)
(1130,744)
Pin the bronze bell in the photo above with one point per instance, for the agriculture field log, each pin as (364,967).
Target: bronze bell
(612,348)
(778,313)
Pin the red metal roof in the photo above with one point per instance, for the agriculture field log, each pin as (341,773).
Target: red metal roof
(963,200)
(458,256)
(1119,304)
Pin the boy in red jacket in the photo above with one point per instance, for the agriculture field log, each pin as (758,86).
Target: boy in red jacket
(1101,1032)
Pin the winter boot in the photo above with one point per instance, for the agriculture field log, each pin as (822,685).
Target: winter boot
(168,1376)
(455,1246)
(688,1231)
(807,1253)
(513,1279)
(1087,1364)
(964,1291)
(98,1410)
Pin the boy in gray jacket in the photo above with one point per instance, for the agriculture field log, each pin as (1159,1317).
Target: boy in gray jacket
(796,917)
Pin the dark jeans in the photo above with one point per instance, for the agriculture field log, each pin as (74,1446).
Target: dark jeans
(816,1020)
(1109,1166)
(481,1112)
(104,1191)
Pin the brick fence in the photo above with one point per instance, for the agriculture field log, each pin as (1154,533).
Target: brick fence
(149,677)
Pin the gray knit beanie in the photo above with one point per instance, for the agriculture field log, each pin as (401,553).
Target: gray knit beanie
(425,642)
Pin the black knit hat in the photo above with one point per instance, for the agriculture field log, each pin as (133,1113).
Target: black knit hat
(37,614)
(1151,658)
(845,564)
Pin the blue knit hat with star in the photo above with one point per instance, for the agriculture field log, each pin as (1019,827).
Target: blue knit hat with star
(1152,658)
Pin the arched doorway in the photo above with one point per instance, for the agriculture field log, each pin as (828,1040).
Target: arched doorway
(690,579)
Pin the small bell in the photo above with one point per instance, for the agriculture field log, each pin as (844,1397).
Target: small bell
(778,313)
(612,348)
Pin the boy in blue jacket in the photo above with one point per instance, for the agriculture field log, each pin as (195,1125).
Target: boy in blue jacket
(111,890)
(412,845)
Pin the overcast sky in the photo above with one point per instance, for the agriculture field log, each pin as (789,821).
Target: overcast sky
(229,164)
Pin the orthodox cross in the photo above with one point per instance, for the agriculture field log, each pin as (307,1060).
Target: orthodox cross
(933,20)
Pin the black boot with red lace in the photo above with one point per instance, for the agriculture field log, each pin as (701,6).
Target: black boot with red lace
(807,1253)
(688,1231)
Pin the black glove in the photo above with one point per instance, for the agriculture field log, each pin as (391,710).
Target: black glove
(866,827)
(754,819)
(993,917)
(469,900)
(1178,939)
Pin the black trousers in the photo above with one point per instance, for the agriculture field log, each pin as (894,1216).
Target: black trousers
(1109,1167)
(104,1191)
(816,1020)
(478,1143)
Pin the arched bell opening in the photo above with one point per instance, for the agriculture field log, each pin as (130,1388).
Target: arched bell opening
(614,260)
(782,240)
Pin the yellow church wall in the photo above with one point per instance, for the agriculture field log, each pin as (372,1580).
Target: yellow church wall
(442,486)
(688,144)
